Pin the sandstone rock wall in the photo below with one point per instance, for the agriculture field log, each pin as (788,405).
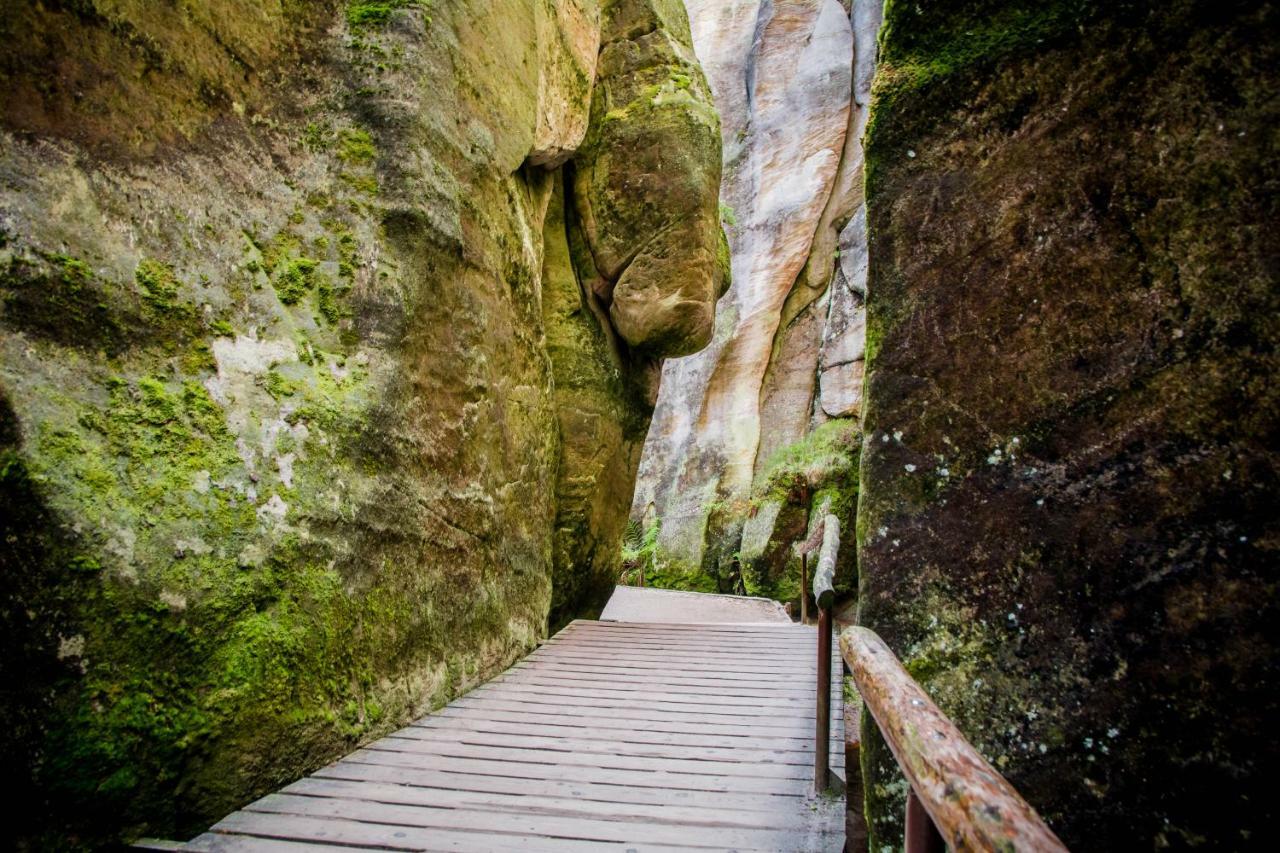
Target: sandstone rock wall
(1068,522)
(792,82)
(329,334)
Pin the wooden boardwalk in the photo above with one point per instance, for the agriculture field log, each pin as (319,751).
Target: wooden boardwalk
(611,736)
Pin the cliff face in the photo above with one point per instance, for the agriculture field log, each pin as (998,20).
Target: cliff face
(306,308)
(1067,518)
(792,82)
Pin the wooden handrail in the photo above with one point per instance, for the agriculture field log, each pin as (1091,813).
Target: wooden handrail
(967,801)
(825,573)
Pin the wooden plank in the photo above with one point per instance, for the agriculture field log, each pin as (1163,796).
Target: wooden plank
(791,647)
(601,672)
(355,833)
(609,690)
(604,776)
(593,760)
(677,663)
(799,652)
(588,746)
(633,685)
(695,628)
(213,842)
(798,725)
(680,723)
(770,816)
(623,735)
(522,823)
(740,713)
(563,757)
(573,790)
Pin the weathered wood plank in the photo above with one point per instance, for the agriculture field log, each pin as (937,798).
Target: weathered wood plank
(563,806)
(522,823)
(213,842)
(603,759)
(626,734)
(780,805)
(570,773)
(796,725)
(675,663)
(737,713)
(587,746)
(359,834)
(633,685)
(609,690)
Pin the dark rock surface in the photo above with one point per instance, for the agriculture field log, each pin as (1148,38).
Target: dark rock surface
(1068,525)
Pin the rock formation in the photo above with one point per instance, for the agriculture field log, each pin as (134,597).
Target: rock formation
(792,82)
(1067,522)
(329,338)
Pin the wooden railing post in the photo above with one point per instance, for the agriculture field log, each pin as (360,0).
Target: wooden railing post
(804,588)
(824,595)
(921,836)
(822,737)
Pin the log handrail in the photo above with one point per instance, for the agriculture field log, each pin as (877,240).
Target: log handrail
(967,801)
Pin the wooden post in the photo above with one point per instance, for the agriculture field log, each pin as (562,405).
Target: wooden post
(822,737)
(824,594)
(922,835)
(855,820)
(804,588)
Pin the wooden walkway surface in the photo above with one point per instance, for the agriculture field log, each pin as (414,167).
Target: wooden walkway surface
(611,736)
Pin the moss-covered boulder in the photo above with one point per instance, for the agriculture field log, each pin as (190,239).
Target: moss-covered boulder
(1067,521)
(647,180)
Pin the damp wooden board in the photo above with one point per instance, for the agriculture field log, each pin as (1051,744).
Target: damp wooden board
(611,736)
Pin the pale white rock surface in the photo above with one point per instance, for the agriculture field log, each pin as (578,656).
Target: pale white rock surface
(792,83)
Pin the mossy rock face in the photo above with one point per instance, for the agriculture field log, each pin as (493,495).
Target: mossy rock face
(282,394)
(1069,473)
(795,489)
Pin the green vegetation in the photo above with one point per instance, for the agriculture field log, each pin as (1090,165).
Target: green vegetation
(294,279)
(727,215)
(356,146)
(826,459)
(639,552)
(363,14)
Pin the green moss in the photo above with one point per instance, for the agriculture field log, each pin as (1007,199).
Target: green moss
(294,278)
(821,460)
(365,184)
(317,137)
(727,215)
(159,286)
(356,146)
(278,386)
(327,295)
(363,14)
